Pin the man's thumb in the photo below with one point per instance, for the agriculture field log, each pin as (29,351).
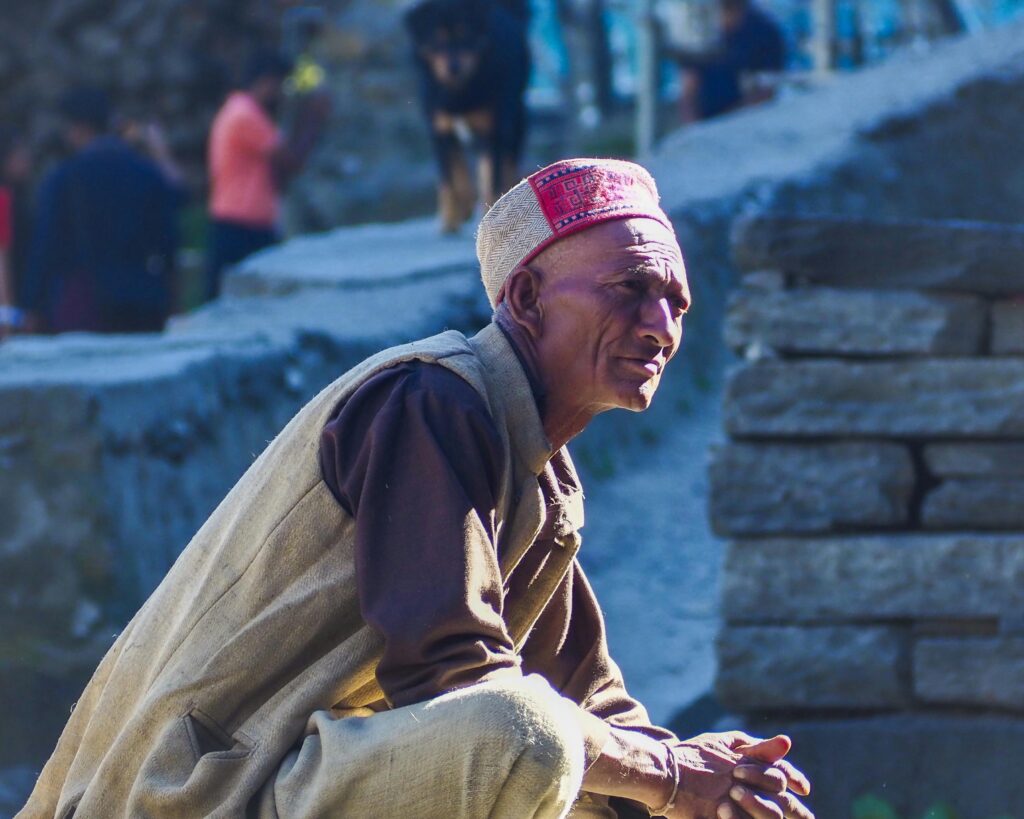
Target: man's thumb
(767,750)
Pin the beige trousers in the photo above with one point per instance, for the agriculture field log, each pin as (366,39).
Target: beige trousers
(506,749)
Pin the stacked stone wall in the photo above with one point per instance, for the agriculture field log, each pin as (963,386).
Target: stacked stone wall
(871,485)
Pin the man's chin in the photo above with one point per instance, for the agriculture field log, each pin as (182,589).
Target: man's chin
(639,398)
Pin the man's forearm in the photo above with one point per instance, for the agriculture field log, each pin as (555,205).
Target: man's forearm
(632,766)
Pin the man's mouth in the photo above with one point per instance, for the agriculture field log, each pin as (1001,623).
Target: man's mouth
(651,366)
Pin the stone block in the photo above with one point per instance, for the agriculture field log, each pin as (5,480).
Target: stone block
(1008,328)
(950,398)
(913,761)
(978,671)
(975,460)
(965,577)
(975,503)
(766,668)
(820,320)
(778,488)
(974,257)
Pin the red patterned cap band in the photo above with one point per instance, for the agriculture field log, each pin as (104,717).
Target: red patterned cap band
(574,196)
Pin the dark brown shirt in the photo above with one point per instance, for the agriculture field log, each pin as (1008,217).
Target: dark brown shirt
(414,457)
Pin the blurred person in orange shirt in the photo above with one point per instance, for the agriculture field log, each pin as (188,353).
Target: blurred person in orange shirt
(251,161)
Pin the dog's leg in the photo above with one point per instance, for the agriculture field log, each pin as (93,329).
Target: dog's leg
(462,184)
(448,153)
(489,163)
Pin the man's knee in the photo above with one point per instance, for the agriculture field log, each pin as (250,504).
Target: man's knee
(531,734)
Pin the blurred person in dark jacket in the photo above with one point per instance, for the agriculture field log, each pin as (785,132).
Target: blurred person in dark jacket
(105,237)
(750,42)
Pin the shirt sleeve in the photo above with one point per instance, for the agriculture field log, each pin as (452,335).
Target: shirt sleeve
(569,646)
(414,457)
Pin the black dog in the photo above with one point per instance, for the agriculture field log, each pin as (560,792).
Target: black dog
(474,63)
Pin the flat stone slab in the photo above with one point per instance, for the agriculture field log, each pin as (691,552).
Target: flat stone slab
(975,503)
(912,761)
(975,671)
(779,488)
(950,398)
(788,667)
(364,256)
(898,577)
(1008,328)
(820,320)
(973,257)
(975,460)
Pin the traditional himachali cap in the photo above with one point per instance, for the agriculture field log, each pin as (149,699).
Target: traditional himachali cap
(556,201)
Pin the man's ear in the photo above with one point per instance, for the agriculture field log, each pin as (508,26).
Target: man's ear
(522,297)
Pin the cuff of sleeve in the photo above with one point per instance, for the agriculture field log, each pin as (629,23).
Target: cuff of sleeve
(596,733)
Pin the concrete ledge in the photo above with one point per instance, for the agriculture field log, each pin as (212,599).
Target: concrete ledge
(955,398)
(969,256)
(985,672)
(775,488)
(914,762)
(827,321)
(874,578)
(786,667)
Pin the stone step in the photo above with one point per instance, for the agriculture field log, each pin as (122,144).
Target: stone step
(975,503)
(913,399)
(977,671)
(974,257)
(824,320)
(872,578)
(1008,328)
(788,667)
(779,488)
(981,459)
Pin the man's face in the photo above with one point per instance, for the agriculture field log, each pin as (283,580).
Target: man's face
(613,299)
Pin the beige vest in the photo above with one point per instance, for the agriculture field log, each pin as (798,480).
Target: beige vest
(257,624)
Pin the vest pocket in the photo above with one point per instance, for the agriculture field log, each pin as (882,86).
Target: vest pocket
(208,739)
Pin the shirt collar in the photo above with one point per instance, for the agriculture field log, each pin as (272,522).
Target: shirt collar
(506,368)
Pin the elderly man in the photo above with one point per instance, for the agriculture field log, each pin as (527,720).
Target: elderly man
(385,616)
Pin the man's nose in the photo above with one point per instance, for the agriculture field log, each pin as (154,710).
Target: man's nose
(659,324)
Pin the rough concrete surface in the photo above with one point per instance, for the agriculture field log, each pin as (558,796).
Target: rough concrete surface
(786,667)
(913,761)
(957,398)
(820,321)
(975,503)
(869,578)
(976,460)
(976,671)
(1008,328)
(772,488)
(866,253)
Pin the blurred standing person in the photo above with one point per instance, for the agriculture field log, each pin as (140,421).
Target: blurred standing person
(105,237)
(15,171)
(750,41)
(251,162)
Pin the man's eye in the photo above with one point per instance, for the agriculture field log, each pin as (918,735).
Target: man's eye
(630,285)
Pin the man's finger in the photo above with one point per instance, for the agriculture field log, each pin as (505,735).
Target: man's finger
(767,750)
(793,808)
(729,810)
(797,781)
(759,807)
(768,779)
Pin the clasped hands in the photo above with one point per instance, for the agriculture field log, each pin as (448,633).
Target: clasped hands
(734,776)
